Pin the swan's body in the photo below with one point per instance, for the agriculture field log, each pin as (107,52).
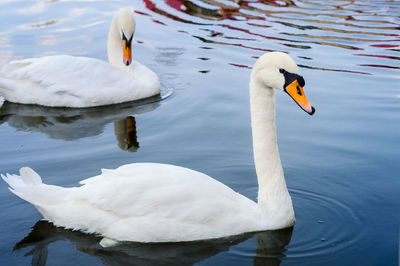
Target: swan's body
(146,202)
(165,203)
(70,81)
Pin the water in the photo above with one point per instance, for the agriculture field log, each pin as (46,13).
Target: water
(341,165)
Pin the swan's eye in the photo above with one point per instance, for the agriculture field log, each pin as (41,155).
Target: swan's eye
(281,70)
(299,91)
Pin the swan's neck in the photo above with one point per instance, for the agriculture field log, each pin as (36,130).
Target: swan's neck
(273,195)
(114,46)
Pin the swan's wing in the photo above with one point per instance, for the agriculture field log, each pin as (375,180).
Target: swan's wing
(68,81)
(135,189)
(167,199)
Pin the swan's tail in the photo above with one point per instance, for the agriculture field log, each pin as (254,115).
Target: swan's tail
(27,177)
(24,185)
(47,199)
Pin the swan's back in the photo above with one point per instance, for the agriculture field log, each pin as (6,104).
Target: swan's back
(73,82)
(163,203)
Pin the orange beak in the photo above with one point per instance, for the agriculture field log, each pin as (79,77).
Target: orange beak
(297,93)
(127,52)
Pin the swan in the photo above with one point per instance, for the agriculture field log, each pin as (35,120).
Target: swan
(152,202)
(71,81)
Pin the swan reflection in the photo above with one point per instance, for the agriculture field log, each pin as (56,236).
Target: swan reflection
(75,123)
(270,247)
(125,131)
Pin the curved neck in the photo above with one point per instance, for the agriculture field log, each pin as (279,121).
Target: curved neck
(114,46)
(272,193)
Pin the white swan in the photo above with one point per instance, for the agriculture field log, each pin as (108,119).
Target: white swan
(150,202)
(70,81)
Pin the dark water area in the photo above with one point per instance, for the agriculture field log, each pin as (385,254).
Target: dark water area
(342,165)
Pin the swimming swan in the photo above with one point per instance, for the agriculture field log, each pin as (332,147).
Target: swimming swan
(71,81)
(150,202)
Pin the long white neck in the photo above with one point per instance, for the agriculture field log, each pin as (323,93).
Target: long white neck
(273,195)
(114,46)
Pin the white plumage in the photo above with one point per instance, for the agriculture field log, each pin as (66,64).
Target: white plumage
(143,202)
(150,202)
(70,81)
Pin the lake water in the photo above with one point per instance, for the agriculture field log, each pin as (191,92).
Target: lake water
(342,165)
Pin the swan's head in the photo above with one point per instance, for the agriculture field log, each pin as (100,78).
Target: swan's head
(278,70)
(124,23)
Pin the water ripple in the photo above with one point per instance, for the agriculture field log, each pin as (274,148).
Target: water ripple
(294,27)
(332,238)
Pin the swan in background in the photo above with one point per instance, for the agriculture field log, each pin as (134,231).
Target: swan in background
(151,202)
(70,81)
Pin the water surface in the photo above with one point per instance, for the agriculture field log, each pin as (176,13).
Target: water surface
(341,165)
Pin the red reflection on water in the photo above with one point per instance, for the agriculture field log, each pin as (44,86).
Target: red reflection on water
(380,56)
(252,48)
(239,65)
(380,66)
(220,12)
(295,35)
(159,22)
(142,13)
(385,45)
(176,4)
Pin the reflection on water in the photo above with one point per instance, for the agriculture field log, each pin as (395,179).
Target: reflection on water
(125,131)
(75,123)
(347,24)
(270,247)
